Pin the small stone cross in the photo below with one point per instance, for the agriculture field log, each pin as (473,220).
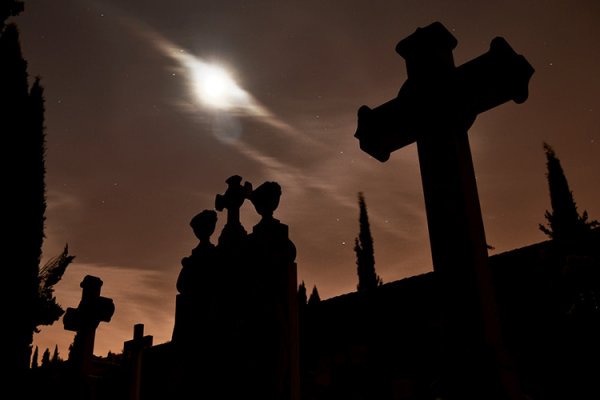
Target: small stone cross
(84,319)
(233,232)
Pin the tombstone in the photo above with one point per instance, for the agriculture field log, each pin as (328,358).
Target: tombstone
(84,320)
(435,107)
(273,334)
(133,351)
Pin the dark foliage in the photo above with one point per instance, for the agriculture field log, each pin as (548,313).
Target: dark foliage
(564,222)
(48,310)
(23,173)
(302,299)
(314,296)
(363,247)
(9,8)
(46,359)
(34,359)
(55,356)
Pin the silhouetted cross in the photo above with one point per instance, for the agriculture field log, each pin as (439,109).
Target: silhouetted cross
(233,232)
(133,349)
(139,341)
(233,198)
(435,107)
(84,319)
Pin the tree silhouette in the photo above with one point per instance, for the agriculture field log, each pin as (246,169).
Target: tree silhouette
(9,8)
(22,122)
(363,247)
(314,296)
(564,222)
(302,300)
(48,310)
(34,359)
(55,356)
(46,358)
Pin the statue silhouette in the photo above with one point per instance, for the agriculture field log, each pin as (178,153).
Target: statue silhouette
(197,309)
(195,265)
(273,330)
(236,317)
(195,283)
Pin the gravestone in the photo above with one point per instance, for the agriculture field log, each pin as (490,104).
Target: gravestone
(84,320)
(133,351)
(435,107)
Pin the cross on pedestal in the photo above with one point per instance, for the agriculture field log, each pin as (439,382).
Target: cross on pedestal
(84,320)
(232,200)
(435,107)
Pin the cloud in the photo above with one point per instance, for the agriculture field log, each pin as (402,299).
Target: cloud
(212,86)
(57,200)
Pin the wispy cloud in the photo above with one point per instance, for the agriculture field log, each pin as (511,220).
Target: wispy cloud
(212,86)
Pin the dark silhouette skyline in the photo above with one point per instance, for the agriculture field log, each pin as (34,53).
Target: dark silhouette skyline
(384,343)
(132,155)
(467,330)
(250,329)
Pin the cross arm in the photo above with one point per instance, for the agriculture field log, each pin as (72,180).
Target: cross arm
(498,76)
(71,320)
(89,313)
(378,129)
(438,96)
(104,309)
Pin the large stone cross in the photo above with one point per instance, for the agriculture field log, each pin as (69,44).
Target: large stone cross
(435,107)
(84,319)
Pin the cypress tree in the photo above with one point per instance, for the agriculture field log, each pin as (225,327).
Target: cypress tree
(55,355)
(314,296)
(565,224)
(46,358)
(9,8)
(363,247)
(34,359)
(24,201)
(302,294)
(20,254)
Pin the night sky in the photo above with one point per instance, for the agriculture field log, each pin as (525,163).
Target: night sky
(134,151)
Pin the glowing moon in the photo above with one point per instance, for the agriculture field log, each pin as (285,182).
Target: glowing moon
(215,87)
